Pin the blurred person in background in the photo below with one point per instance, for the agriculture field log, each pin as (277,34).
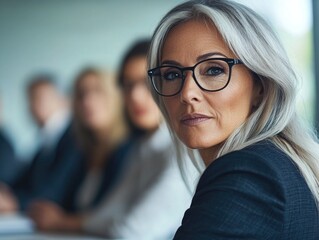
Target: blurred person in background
(7,158)
(44,177)
(101,133)
(7,155)
(150,200)
(9,165)
(9,169)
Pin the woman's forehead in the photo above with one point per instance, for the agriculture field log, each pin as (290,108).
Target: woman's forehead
(191,39)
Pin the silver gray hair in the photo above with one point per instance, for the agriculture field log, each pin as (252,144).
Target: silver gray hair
(253,41)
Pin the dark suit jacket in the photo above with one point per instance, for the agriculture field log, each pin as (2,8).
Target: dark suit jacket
(254,193)
(112,173)
(9,165)
(48,178)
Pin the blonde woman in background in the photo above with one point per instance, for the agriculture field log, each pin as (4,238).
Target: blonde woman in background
(101,131)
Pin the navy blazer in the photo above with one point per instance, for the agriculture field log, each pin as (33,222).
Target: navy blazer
(254,193)
(112,173)
(10,166)
(47,178)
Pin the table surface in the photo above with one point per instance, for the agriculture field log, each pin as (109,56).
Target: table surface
(40,236)
(20,227)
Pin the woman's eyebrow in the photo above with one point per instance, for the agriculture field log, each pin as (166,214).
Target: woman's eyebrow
(210,54)
(199,58)
(171,62)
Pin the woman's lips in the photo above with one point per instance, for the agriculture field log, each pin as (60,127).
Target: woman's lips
(194,119)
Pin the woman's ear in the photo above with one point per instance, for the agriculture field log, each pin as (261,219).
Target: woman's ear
(258,92)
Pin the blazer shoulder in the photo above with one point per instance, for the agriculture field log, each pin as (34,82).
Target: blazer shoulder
(238,187)
(258,185)
(262,159)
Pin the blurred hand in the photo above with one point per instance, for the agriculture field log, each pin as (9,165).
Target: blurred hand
(47,215)
(8,202)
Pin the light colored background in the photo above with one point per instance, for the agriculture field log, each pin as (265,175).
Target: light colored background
(63,36)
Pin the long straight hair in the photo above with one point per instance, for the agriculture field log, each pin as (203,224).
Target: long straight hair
(117,129)
(254,42)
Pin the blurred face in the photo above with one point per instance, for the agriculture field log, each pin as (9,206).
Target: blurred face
(44,101)
(95,107)
(140,105)
(204,120)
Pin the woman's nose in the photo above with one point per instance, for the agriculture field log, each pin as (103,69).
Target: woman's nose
(190,91)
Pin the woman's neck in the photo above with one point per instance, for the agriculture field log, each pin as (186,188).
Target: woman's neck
(210,154)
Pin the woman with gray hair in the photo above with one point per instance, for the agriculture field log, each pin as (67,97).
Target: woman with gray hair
(225,86)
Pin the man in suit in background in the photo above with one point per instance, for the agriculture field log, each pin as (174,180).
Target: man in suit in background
(10,167)
(7,157)
(46,175)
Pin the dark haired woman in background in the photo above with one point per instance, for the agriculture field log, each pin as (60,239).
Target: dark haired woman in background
(150,200)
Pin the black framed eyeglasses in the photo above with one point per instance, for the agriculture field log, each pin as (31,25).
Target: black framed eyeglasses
(212,75)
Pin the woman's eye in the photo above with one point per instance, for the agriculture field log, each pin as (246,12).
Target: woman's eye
(214,71)
(171,75)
